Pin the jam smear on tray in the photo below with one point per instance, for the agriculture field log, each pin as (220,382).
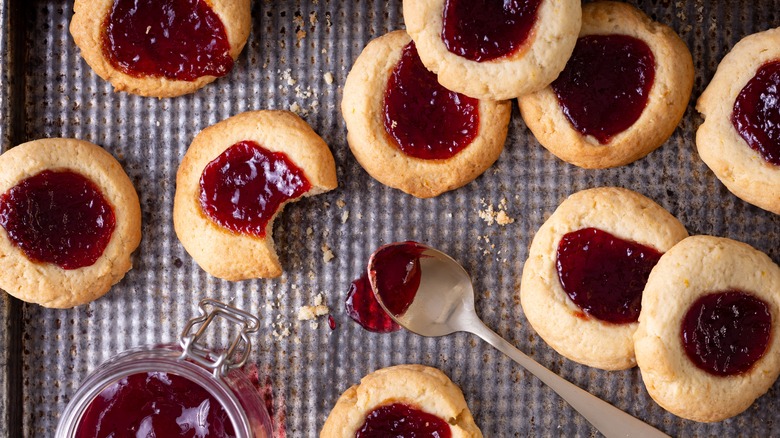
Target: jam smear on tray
(422,118)
(483,30)
(155,404)
(603,274)
(605,85)
(244,186)
(756,114)
(725,333)
(396,278)
(58,217)
(175,39)
(401,420)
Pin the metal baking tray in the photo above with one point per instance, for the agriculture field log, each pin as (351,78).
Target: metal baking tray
(48,91)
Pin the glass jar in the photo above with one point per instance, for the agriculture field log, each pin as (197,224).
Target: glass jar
(219,374)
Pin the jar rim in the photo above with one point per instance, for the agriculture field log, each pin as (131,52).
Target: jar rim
(155,359)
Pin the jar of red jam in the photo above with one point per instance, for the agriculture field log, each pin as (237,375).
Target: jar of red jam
(187,390)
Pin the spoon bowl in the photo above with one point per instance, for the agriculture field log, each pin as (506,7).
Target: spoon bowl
(439,300)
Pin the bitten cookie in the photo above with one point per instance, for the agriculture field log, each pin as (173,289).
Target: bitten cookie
(235,178)
(69,220)
(622,93)
(136,46)
(494,50)
(409,132)
(425,397)
(740,137)
(708,343)
(582,283)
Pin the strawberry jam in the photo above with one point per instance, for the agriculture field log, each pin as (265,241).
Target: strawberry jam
(605,86)
(58,217)
(400,420)
(603,274)
(482,30)
(175,39)
(244,186)
(756,114)
(154,404)
(424,119)
(363,308)
(725,333)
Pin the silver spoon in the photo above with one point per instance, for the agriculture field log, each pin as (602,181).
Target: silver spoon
(444,304)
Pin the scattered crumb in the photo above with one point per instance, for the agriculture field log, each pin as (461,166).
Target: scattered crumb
(328,77)
(327,254)
(309,231)
(340,203)
(344,216)
(313,18)
(308,313)
(490,215)
(294,107)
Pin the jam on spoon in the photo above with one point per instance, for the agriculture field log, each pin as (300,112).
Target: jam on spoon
(175,39)
(244,186)
(58,217)
(756,114)
(423,119)
(605,86)
(603,274)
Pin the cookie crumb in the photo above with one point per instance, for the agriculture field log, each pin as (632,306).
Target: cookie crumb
(308,313)
(309,231)
(344,216)
(490,215)
(328,77)
(327,254)
(340,203)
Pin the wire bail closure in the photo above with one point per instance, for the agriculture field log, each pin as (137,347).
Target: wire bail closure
(240,347)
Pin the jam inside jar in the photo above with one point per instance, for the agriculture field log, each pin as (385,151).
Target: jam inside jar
(186,390)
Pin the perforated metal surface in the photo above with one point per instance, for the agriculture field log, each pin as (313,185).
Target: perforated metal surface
(282,67)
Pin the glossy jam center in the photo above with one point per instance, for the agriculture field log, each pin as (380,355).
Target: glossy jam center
(603,274)
(756,114)
(155,404)
(175,39)
(482,30)
(58,217)
(424,119)
(725,333)
(400,420)
(363,308)
(605,85)
(245,185)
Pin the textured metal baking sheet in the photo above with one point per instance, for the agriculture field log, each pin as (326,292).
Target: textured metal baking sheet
(292,46)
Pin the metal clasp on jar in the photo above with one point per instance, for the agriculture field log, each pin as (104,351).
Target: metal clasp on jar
(234,356)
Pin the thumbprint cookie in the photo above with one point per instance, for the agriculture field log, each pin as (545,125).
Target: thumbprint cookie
(490,49)
(740,137)
(622,93)
(582,284)
(409,132)
(235,178)
(69,221)
(160,48)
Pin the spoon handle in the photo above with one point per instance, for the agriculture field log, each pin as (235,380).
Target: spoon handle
(609,420)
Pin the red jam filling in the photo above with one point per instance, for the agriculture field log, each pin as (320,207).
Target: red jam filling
(400,420)
(244,186)
(424,119)
(482,30)
(58,217)
(154,404)
(176,39)
(363,308)
(396,277)
(605,85)
(756,113)
(725,333)
(603,274)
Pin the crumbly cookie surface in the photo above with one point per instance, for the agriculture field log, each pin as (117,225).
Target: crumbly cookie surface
(531,68)
(47,284)
(697,266)
(584,339)
(666,104)
(422,387)
(87,28)
(362,108)
(221,252)
(741,169)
